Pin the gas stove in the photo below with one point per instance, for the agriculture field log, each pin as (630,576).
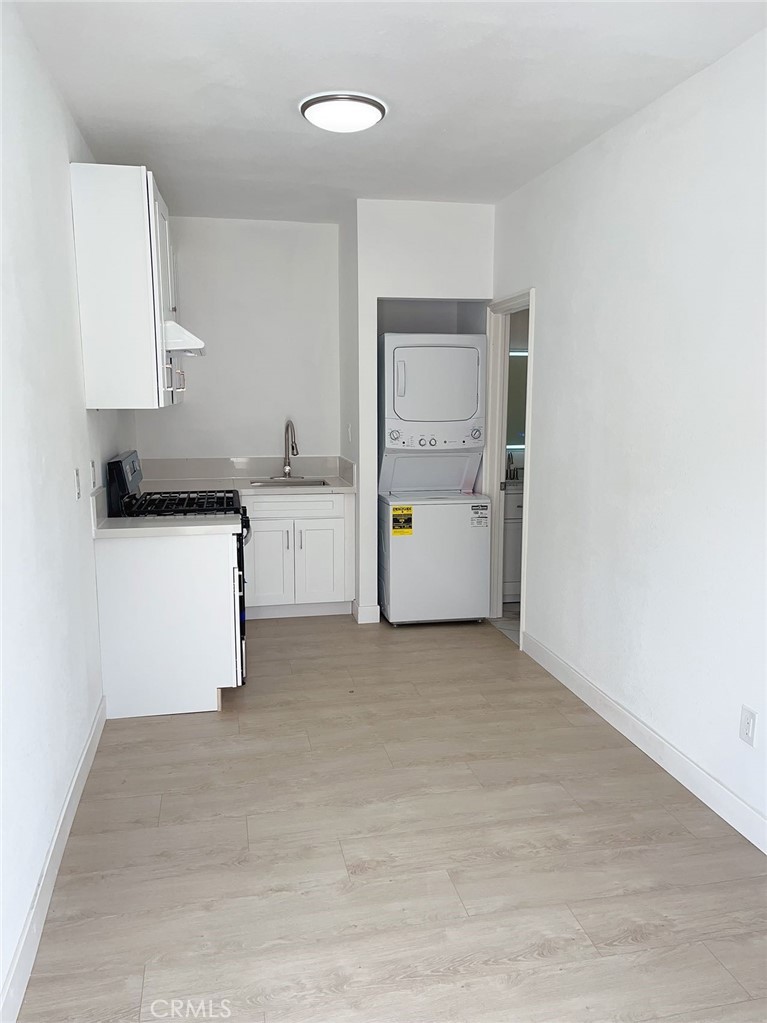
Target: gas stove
(192,502)
(125,496)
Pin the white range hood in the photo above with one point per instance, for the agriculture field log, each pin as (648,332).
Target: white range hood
(179,340)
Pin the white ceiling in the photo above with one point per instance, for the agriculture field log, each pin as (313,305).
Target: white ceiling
(482,96)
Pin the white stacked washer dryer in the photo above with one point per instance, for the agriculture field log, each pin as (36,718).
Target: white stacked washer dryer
(433,530)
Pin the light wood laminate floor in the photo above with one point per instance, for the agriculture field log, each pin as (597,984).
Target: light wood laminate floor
(416,825)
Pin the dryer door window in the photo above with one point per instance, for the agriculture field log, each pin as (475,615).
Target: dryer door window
(436,384)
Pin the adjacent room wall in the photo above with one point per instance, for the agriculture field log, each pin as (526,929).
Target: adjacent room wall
(263,295)
(51,677)
(646,470)
(429,250)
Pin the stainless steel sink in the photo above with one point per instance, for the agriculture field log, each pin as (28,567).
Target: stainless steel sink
(288,481)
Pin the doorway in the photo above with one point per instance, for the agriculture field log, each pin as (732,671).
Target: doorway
(505,473)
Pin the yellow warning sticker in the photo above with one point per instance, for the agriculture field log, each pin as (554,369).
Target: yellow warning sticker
(402,520)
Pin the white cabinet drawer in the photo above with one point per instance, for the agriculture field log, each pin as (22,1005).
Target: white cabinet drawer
(304,506)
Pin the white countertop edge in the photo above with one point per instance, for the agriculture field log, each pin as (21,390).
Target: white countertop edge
(336,485)
(190,525)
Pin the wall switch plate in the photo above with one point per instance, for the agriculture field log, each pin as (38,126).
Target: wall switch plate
(747,724)
(94,481)
(77,484)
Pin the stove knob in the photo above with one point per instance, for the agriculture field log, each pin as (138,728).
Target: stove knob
(422,442)
(393,434)
(476,433)
(433,442)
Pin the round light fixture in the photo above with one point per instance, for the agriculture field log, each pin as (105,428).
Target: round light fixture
(342,111)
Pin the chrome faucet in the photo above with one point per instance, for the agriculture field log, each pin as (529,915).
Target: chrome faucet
(291,448)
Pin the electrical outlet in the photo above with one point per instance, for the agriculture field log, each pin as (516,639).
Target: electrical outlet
(94,481)
(747,724)
(77,484)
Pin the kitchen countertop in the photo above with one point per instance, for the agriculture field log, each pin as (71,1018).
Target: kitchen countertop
(201,525)
(167,525)
(336,485)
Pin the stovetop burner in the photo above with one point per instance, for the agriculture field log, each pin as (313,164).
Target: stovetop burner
(192,502)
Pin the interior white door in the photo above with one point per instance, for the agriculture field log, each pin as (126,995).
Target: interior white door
(319,560)
(271,557)
(436,383)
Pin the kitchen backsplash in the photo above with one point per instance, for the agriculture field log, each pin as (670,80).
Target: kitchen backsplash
(261,465)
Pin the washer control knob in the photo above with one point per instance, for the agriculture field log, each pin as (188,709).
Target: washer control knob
(394,434)
(433,442)
(422,442)
(476,433)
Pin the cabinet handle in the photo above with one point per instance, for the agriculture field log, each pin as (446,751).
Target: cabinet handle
(300,539)
(182,374)
(287,539)
(168,366)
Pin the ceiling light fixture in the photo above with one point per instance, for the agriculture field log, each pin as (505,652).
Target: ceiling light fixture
(343,111)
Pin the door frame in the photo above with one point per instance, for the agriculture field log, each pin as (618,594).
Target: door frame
(493,472)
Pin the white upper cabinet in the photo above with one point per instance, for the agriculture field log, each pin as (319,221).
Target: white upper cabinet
(126,286)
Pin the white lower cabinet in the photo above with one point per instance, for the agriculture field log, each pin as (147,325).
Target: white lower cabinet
(512,545)
(169,621)
(305,557)
(512,559)
(269,564)
(319,560)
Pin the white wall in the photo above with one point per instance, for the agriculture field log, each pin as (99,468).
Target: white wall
(348,334)
(51,680)
(263,295)
(646,472)
(426,250)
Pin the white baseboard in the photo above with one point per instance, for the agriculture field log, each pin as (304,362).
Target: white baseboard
(26,950)
(338,607)
(367,614)
(744,818)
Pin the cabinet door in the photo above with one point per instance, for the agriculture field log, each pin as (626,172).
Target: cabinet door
(173,280)
(319,560)
(512,559)
(161,278)
(270,556)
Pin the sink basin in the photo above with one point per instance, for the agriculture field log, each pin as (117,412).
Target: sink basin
(289,481)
